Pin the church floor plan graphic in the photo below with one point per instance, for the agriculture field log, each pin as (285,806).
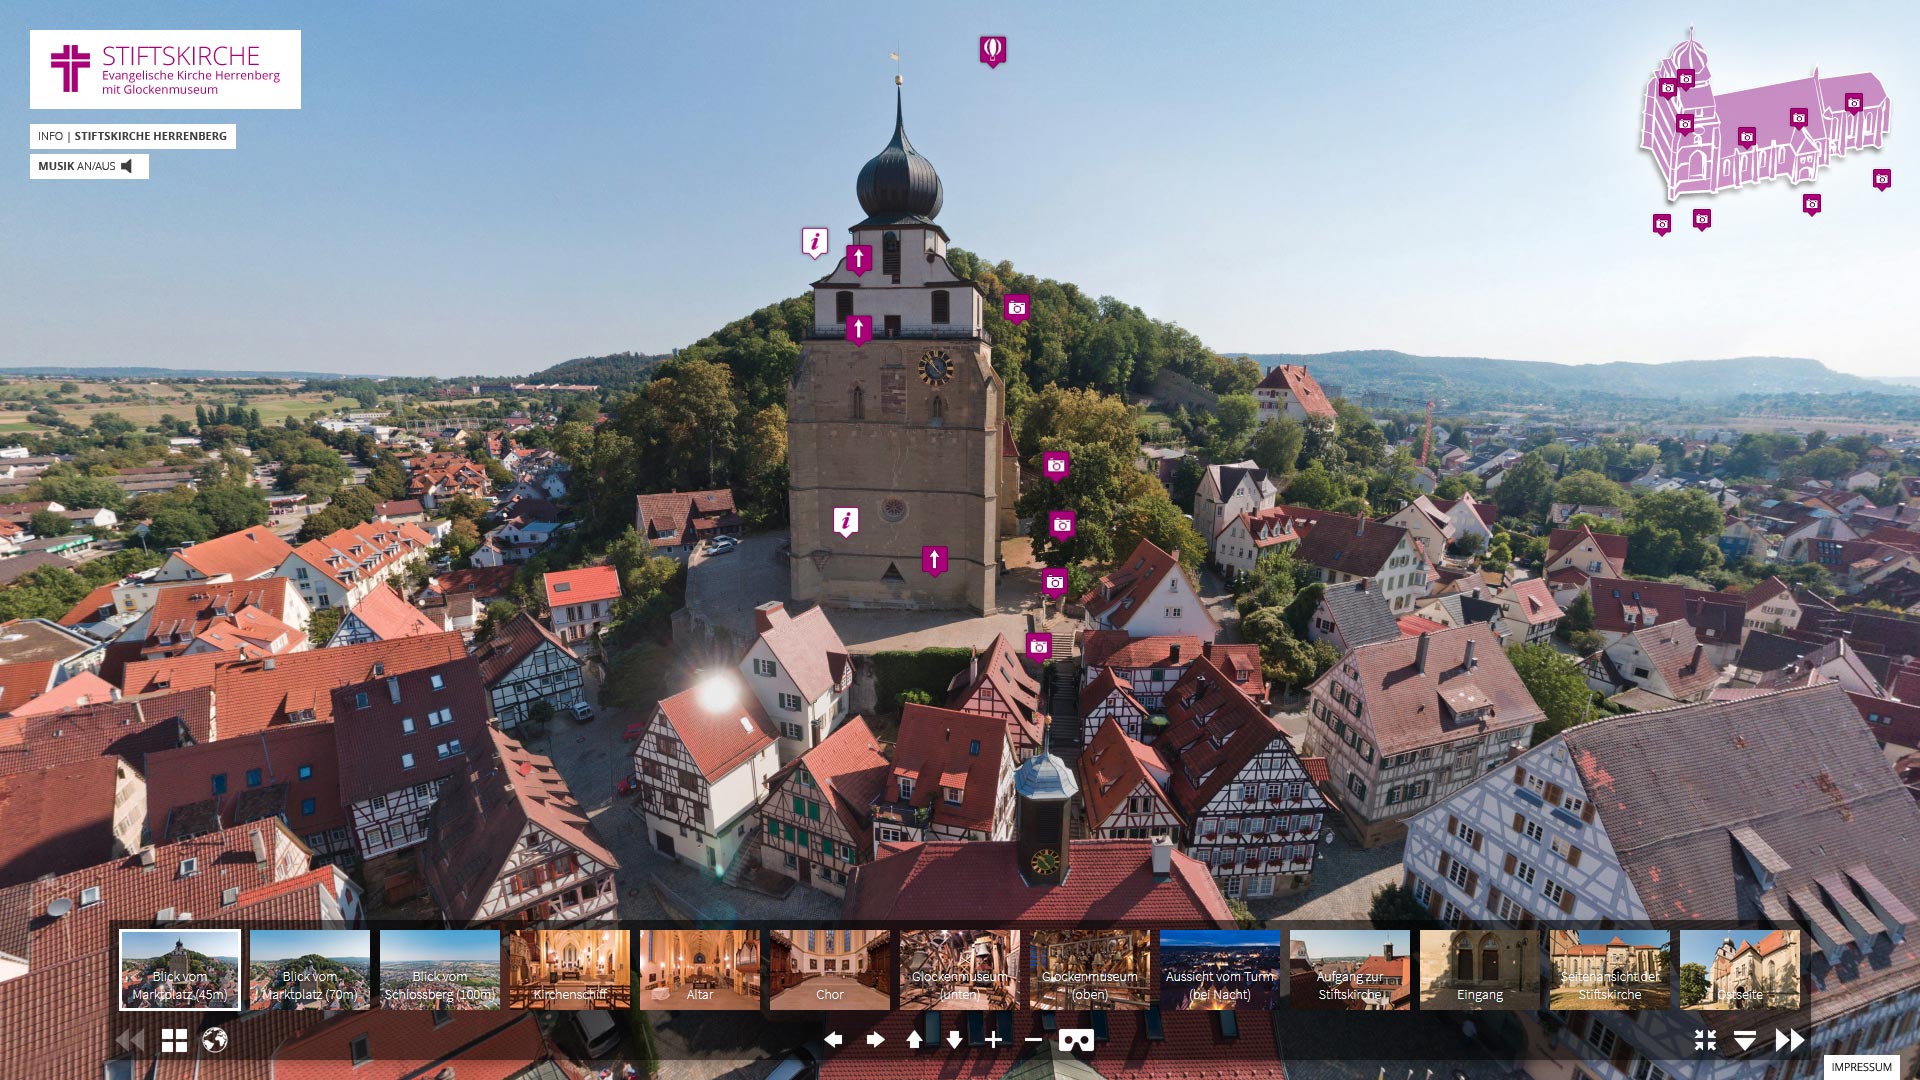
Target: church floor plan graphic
(1706,142)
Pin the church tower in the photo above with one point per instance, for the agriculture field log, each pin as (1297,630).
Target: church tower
(905,428)
(1044,789)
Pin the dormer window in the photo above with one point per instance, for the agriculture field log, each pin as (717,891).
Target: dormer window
(953,795)
(906,787)
(942,307)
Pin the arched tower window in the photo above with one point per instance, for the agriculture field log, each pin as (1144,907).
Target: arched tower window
(842,307)
(942,307)
(857,407)
(937,409)
(890,256)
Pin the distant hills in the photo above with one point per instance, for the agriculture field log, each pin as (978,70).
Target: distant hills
(1470,381)
(71,372)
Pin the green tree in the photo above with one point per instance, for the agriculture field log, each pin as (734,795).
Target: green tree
(1693,985)
(178,526)
(1554,681)
(497,614)
(232,507)
(760,468)
(1276,446)
(1579,614)
(1526,488)
(1100,433)
(1154,517)
(1394,908)
(77,492)
(1236,414)
(1590,489)
(45,523)
(1825,463)
(1672,532)
(323,624)
(1316,488)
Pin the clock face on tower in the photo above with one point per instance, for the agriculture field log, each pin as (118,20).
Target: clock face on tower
(936,368)
(1045,861)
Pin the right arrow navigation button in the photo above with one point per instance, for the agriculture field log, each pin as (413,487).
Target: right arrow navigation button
(1788,1040)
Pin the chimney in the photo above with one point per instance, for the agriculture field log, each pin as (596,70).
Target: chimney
(1420,653)
(1162,859)
(1468,661)
(769,615)
(1173,655)
(1361,528)
(973,666)
(1364,582)
(1693,665)
(1206,649)
(259,846)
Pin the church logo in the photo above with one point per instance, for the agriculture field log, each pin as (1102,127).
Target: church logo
(70,60)
(993,51)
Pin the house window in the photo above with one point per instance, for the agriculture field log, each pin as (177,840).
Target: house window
(1574,804)
(1458,873)
(1173,612)
(942,307)
(1553,891)
(858,409)
(439,716)
(973,747)
(906,787)
(358,1051)
(306,772)
(253,777)
(842,307)
(406,725)
(790,702)
(953,796)
(1524,871)
(1647,1070)
(219,783)
(360,700)
(890,255)
(438,683)
(1533,830)
(307,807)
(1356,785)
(406,761)
(789,730)
(1509,911)
(763,668)
(1602,1038)
(1466,832)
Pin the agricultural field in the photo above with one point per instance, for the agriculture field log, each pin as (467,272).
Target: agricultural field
(145,402)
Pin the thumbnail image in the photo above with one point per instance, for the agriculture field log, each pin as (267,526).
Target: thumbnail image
(1090,969)
(959,969)
(440,969)
(699,969)
(1222,969)
(829,969)
(1480,969)
(180,970)
(1739,969)
(309,969)
(1349,970)
(1609,969)
(569,969)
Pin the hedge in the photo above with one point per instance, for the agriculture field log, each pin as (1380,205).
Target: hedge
(926,669)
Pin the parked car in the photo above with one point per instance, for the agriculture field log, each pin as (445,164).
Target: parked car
(591,1035)
(582,712)
(720,545)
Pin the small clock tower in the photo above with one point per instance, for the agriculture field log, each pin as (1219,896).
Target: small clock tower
(1045,788)
(904,427)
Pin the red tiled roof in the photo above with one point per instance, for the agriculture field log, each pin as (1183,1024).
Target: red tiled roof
(1000,668)
(183,776)
(1125,591)
(513,643)
(850,772)
(380,544)
(1536,601)
(255,694)
(95,605)
(485,582)
(81,690)
(935,748)
(1114,766)
(806,645)
(1672,650)
(1118,649)
(1214,729)
(1716,616)
(383,612)
(719,739)
(1487,512)
(372,739)
(1109,881)
(1415,625)
(1317,769)
(54,1020)
(1105,685)
(1295,379)
(1612,545)
(583,586)
(481,815)
(666,519)
(1408,710)
(249,553)
(58,819)
(21,683)
(399,508)
(1765,591)
(1343,543)
(129,729)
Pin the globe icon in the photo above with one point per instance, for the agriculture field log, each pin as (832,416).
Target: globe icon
(213,1040)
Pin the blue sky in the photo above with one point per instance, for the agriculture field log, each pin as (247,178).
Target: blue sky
(1242,938)
(1325,943)
(439,945)
(491,188)
(1697,946)
(1631,937)
(265,945)
(147,944)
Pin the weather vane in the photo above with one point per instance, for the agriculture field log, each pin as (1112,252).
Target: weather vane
(897,80)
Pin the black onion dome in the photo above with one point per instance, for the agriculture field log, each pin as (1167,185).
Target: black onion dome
(899,185)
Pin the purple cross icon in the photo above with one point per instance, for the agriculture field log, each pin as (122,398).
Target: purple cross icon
(70,60)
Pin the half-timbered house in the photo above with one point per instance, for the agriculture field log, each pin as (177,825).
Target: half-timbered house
(801,672)
(381,615)
(952,779)
(995,684)
(1110,697)
(524,662)
(1124,785)
(398,737)
(818,810)
(509,843)
(1151,665)
(1253,813)
(702,762)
